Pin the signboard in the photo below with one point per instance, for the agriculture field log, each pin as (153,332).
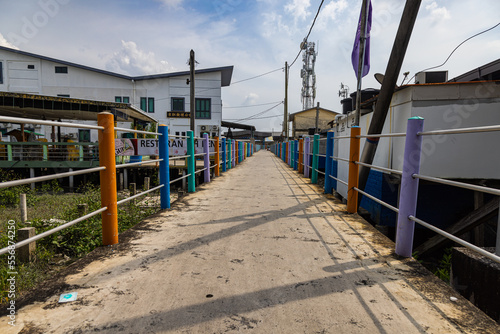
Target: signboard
(178,114)
(178,146)
(124,146)
(147,146)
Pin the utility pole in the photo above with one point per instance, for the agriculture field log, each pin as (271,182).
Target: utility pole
(361,61)
(285,107)
(191,91)
(390,79)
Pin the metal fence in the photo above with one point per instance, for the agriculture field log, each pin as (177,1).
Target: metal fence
(235,150)
(410,177)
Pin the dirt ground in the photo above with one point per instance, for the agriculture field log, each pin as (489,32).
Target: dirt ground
(258,250)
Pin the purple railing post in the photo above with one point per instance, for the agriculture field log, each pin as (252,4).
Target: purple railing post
(409,187)
(307,150)
(206,150)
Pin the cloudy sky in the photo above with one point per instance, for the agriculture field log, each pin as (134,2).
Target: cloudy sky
(256,36)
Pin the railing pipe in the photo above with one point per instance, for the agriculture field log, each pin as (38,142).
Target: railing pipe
(301,156)
(206,158)
(164,171)
(191,162)
(7,119)
(108,178)
(224,155)
(314,176)
(217,157)
(329,163)
(352,194)
(307,147)
(409,187)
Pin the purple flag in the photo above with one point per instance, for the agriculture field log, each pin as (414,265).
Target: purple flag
(357,42)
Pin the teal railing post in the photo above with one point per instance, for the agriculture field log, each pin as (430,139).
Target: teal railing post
(164,167)
(307,158)
(229,156)
(409,187)
(329,163)
(295,154)
(191,162)
(224,155)
(314,171)
(206,158)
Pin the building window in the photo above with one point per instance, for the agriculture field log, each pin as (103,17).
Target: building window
(202,108)
(1,73)
(31,67)
(61,69)
(177,104)
(62,95)
(120,99)
(144,105)
(151,104)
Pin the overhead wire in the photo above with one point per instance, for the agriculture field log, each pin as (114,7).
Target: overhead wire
(455,49)
(254,116)
(310,29)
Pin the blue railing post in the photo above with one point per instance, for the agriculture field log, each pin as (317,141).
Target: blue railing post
(191,162)
(296,155)
(283,151)
(329,163)
(233,149)
(224,155)
(314,171)
(164,167)
(409,187)
(206,158)
(307,151)
(292,153)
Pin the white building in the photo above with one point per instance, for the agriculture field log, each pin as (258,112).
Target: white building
(165,97)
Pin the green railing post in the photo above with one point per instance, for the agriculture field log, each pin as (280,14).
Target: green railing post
(9,152)
(314,174)
(191,162)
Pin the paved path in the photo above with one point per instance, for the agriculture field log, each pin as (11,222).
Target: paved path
(258,250)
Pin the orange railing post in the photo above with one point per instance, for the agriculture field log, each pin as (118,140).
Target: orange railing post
(217,157)
(352,194)
(301,156)
(106,139)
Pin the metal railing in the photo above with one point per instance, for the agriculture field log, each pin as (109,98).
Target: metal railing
(410,177)
(108,166)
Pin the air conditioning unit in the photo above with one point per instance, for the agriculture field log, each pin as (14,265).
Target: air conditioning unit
(215,128)
(431,77)
(204,128)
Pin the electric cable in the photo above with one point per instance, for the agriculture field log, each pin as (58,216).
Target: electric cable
(310,29)
(430,68)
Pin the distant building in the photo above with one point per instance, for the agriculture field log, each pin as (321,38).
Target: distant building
(165,97)
(304,122)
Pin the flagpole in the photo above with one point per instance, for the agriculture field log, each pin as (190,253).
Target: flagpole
(361,61)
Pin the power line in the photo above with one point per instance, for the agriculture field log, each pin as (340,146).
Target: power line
(258,76)
(253,105)
(257,114)
(455,49)
(310,29)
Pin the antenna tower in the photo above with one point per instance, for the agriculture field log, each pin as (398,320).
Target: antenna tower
(307,74)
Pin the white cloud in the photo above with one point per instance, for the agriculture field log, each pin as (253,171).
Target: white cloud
(437,13)
(298,9)
(134,61)
(175,4)
(4,42)
(251,99)
(331,12)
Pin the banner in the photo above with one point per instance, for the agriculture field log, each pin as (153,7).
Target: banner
(357,42)
(124,147)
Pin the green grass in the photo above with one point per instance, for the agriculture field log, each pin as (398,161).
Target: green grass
(51,208)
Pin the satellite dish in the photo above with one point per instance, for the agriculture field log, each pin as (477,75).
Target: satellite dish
(379,77)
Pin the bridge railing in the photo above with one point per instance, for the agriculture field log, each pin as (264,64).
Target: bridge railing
(410,177)
(107,169)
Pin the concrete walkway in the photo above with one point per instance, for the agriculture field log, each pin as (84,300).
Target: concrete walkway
(258,250)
